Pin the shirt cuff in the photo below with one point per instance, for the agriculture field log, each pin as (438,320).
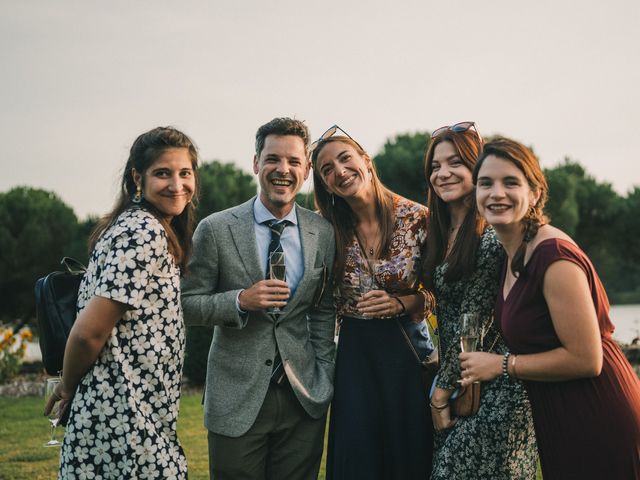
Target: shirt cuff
(240,311)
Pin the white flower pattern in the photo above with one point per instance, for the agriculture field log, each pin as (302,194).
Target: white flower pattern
(123,416)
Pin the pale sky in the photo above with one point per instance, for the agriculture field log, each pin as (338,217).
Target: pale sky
(81,79)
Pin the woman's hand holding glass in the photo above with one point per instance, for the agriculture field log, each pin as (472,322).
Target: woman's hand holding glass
(375,302)
(378,304)
(476,366)
(479,367)
(56,407)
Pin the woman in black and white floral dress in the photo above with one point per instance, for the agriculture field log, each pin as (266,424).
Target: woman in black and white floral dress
(125,353)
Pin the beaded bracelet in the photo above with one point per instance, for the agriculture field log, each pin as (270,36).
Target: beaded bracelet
(505,364)
(438,407)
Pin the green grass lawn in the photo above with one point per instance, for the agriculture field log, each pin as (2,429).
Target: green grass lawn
(23,431)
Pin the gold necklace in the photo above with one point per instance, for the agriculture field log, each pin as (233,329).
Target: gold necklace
(369,250)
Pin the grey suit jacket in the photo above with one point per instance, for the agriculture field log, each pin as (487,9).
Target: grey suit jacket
(224,261)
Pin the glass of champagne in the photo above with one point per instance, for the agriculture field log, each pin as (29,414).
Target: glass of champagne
(49,389)
(367,277)
(469,332)
(277,271)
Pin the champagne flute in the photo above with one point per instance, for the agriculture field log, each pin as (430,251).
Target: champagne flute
(49,389)
(367,277)
(469,332)
(277,271)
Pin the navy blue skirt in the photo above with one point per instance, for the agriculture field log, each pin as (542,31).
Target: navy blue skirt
(380,424)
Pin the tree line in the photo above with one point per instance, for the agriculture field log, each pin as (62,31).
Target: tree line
(37,228)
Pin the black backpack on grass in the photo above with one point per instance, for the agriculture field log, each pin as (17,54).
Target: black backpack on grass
(56,298)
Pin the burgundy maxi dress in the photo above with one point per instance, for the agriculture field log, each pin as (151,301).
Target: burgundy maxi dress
(587,428)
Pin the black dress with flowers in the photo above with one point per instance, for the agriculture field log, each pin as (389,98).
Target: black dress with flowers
(123,415)
(498,442)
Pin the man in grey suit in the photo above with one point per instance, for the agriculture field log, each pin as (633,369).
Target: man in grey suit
(264,424)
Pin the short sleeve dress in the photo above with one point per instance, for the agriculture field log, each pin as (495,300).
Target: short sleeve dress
(123,416)
(498,442)
(586,428)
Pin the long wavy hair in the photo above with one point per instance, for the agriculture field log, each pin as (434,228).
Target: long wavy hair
(461,260)
(528,164)
(146,149)
(339,213)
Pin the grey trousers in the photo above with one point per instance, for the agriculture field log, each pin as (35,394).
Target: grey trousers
(283,443)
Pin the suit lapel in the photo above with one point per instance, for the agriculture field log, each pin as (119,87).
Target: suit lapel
(244,238)
(309,242)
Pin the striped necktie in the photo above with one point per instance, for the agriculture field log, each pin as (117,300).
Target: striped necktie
(277,374)
(276,228)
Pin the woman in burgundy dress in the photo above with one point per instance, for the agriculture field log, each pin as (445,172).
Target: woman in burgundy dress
(554,315)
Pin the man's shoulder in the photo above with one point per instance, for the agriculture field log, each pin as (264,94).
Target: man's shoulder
(230,214)
(311,217)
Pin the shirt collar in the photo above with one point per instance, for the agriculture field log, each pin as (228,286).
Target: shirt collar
(261,214)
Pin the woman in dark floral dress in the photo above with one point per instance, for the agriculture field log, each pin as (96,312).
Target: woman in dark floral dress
(462,267)
(379,427)
(123,360)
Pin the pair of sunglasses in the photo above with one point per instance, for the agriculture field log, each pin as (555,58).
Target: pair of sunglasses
(457,128)
(331,131)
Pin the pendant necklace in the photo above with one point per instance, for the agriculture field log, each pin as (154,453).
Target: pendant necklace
(368,250)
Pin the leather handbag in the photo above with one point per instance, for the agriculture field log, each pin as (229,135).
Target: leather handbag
(467,402)
(420,344)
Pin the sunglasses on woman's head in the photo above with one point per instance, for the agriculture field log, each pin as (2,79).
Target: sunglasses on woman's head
(456,128)
(331,131)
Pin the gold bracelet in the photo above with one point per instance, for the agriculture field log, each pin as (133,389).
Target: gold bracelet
(513,366)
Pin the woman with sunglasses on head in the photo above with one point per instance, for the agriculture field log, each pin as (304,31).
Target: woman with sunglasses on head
(554,315)
(461,268)
(379,426)
(123,360)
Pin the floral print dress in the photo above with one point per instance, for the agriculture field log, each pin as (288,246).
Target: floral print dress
(398,272)
(498,442)
(123,416)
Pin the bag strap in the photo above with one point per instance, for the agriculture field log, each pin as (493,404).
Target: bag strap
(406,337)
(69,263)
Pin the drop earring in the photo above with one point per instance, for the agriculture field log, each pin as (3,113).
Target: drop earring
(137,198)
(333,200)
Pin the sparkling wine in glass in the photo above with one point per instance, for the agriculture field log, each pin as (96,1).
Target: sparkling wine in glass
(49,388)
(367,277)
(277,271)
(469,332)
